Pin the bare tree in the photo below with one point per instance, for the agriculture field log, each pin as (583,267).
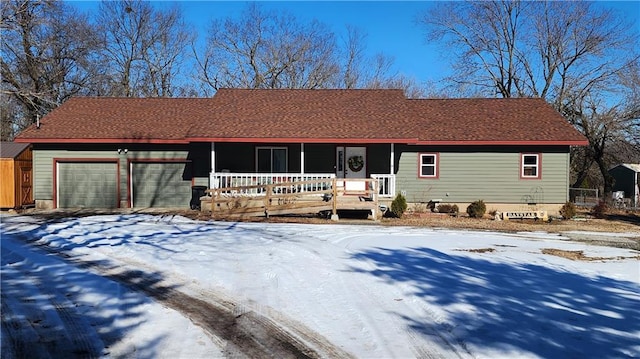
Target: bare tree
(570,53)
(353,54)
(144,48)
(268,50)
(46,58)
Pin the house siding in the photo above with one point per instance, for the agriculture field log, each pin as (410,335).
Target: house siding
(493,175)
(319,158)
(196,158)
(241,157)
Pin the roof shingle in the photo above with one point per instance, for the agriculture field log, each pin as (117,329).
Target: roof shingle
(237,115)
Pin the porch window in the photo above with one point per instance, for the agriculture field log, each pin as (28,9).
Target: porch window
(271,159)
(530,165)
(428,165)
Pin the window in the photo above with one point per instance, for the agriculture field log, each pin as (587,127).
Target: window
(271,159)
(530,165)
(428,165)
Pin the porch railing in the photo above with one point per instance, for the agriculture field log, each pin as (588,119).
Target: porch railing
(386,182)
(224,180)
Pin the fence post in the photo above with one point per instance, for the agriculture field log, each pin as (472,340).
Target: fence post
(214,194)
(375,199)
(267,199)
(334,211)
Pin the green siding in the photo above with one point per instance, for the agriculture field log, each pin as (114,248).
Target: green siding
(490,176)
(44,155)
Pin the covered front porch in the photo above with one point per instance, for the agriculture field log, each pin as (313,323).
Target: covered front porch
(251,165)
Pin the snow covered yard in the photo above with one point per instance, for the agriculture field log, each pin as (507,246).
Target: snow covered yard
(146,286)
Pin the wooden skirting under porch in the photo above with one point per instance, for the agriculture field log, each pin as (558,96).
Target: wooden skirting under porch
(298,197)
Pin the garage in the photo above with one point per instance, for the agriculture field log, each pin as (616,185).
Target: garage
(160,184)
(87,185)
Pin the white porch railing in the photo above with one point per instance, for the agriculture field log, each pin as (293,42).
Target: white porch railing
(224,180)
(386,182)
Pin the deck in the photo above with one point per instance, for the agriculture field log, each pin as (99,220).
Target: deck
(328,195)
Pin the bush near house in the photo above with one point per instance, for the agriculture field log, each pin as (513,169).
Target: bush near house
(448,208)
(477,209)
(600,210)
(568,210)
(399,205)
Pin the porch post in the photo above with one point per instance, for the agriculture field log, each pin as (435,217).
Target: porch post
(302,158)
(213,164)
(392,162)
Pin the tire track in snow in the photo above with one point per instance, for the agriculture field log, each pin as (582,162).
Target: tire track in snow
(39,323)
(246,333)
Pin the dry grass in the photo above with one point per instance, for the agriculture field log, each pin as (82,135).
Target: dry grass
(630,223)
(615,223)
(479,250)
(579,255)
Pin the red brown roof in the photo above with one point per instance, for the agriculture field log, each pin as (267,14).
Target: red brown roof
(346,116)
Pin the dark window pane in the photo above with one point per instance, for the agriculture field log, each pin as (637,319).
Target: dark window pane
(428,170)
(279,160)
(428,160)
(530,160)
(264,160)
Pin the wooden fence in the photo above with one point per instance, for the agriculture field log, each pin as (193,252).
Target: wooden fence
(295,197)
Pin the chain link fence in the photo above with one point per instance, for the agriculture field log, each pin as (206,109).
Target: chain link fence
(584,197)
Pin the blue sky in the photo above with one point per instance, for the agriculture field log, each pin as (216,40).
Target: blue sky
(390,25)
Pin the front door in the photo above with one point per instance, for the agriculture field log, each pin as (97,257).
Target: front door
(355,162)
(351,162)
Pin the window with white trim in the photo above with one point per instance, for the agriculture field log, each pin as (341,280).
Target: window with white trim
(428,163)
(271,159)
(530,165)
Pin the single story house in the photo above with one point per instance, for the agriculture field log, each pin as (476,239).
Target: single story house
(15,175)
(626,181)
(149,152)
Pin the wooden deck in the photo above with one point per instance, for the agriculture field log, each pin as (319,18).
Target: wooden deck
(285,198)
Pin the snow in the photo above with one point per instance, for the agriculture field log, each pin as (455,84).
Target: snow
(372,291)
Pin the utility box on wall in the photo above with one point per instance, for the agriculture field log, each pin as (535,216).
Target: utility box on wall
(16,175)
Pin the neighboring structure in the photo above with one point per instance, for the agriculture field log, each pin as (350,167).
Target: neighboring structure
(626,180)
(128,152)
(15,175)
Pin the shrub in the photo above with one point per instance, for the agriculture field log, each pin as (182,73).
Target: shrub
(600,210)
(476,209)
(448,208)
(399,205)
(568,210)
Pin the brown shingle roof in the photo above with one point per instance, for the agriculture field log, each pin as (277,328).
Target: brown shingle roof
(108,119)
(236,115)
(310,115)
(499,121)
